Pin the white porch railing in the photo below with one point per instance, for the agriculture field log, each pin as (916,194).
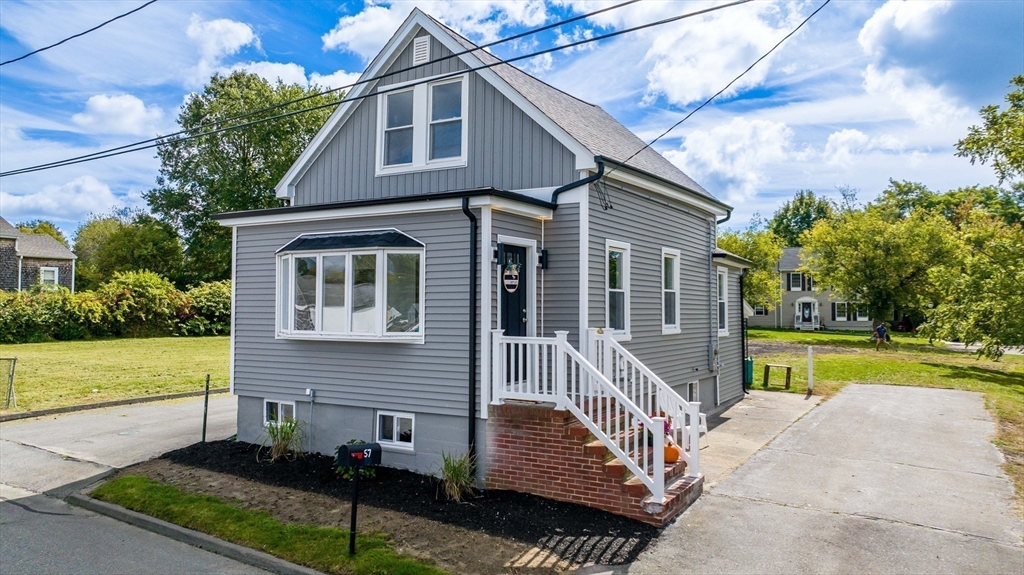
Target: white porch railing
(550,369)
(649,392)
(799,323)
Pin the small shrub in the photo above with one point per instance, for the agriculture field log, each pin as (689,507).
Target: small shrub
(457,476)
(22,318)
(285,438)
(347,473)
(208,309)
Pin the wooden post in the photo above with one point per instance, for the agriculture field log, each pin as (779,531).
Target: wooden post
(789,374)
(810,369)
(767,368)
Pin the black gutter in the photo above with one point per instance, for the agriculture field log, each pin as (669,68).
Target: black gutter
(725,219)
(578,183)
(743,337)
(472,326)
(471,193)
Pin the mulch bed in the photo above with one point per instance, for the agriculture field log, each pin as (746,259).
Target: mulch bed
(575,533)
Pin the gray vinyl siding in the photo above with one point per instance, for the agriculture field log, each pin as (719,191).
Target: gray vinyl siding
(506,224)
(507,149)
(561,285)
(730,376)
(422,378)
(648,225)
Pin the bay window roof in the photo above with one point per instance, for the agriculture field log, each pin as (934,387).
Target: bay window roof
(351,240)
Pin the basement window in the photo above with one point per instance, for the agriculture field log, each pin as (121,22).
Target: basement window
(277,411)
(395,430)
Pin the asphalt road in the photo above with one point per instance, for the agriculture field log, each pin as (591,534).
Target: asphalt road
(44,459)
(879,479)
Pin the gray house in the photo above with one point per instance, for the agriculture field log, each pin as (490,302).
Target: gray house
(462,241)
(804,307)
(28,260)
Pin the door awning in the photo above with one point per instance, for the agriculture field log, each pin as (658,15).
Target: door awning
(351,240)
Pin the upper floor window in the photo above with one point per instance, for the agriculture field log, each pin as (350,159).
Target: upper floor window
(617,308)
(350,294)
(670,291)
(796,282)
(423,127)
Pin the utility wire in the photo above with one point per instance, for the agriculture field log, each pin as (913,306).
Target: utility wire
(93,29)
(347,99)
(212,123)
(719,93)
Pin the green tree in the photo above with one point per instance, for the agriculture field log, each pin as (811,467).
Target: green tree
(799,215)
(764,248)
(143,244)
(90,238)
(42,227)
(879,262)
(901,198)
(232,170)
(1001,139)
(982,288)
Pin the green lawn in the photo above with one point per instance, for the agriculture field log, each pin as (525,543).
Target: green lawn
(911,362)
(322,548)
(61,373)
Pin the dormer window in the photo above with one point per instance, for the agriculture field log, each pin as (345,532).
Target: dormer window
(422,127)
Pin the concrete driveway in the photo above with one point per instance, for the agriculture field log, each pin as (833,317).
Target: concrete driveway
(44,459)
(880,479)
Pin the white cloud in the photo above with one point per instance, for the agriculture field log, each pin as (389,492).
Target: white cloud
(738,154)
(923,103)
(72,201)
(578,34)
(289,73)
(366,33)
(122,114)
(912,19)
(334,80)
(216,40)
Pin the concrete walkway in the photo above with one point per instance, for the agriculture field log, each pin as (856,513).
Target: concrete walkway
(44,459)
(880,479)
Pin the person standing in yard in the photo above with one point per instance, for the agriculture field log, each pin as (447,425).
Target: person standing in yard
(881,336)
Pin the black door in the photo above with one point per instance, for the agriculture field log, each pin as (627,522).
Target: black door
(512,282)
(806,312)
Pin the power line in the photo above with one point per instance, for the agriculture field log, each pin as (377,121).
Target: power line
(93,29)
(104,153)
(719,93)
(378,92)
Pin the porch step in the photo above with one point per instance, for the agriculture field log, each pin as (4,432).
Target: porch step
(681,494)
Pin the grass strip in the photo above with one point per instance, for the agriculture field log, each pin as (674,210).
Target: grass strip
(64,373)
(321,548)
(916,364)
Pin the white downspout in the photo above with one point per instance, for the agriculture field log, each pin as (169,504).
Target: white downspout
(72,276)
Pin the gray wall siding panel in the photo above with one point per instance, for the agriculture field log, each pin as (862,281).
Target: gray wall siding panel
(730,382)
(649,224)
(507,149)
(561,286)
(426,378)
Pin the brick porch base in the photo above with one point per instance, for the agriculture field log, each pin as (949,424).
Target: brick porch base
(536,449)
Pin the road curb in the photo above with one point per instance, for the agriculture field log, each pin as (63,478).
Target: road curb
(114,403)
(194,538)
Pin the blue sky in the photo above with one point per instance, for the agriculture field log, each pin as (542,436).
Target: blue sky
(867,91)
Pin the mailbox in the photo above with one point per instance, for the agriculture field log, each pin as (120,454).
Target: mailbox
(359,455)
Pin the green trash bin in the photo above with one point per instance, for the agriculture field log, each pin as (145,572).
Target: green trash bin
(748,371)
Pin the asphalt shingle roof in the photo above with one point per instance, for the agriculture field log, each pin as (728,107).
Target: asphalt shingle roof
(590,125)
(39,246)
(790,259)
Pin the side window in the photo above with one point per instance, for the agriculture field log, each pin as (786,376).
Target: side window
(723,301)
(617,292)
(48,276)
(669,291)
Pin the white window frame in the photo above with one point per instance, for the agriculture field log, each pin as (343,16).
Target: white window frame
(842,316)
(56,275)
(610,246)
(421,107)
(394,445)
(285,309)
(800,282)
(279,402)
(760,310)
(860,312)
(670,329)
(722,278)
(809,281)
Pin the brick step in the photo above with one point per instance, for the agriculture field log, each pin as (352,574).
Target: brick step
(679,496)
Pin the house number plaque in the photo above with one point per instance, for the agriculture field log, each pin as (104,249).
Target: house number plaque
(510,277)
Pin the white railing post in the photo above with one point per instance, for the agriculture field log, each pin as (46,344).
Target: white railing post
(561,395)
(591,351)
(693,440)
(497,365)
(658,471)
(810,369)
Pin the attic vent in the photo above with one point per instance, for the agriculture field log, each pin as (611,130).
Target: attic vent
(421,50)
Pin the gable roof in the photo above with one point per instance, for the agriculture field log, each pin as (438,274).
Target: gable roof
(39,246)
(790,259)
(585,129)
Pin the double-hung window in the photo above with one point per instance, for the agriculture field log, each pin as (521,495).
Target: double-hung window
(48,275)
(842,310)
(723,301)
(670,291)
(423,127)
(617,292)
(359,293)
(795,282)
(862,314)
(760,310)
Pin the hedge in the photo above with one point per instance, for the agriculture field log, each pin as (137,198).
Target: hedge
(132,304)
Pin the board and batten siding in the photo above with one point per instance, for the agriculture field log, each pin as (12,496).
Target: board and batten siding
(649,224)
(423,378)
(506,149)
